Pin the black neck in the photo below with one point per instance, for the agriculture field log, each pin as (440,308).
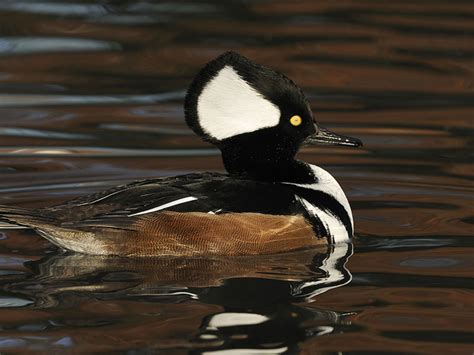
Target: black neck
(271,170)
(267,155)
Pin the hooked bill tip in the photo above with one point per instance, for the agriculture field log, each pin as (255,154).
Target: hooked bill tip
(326,137)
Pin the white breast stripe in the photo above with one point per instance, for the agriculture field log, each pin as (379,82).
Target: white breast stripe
(229,106)
(327,184)
(336,229)
(166,205)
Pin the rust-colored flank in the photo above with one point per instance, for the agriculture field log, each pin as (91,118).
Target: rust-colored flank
(191,234)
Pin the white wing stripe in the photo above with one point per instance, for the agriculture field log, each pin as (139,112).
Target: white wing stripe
(166,205)
(100,199)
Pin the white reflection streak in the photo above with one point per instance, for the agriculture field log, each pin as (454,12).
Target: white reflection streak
(11,226)
(181,293)
(29,45)
(247,351)
(331,268)
(9,100)
(233,319)
(27,132)
(105,152)
(51,8)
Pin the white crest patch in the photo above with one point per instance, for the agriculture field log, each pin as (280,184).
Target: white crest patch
(229,106)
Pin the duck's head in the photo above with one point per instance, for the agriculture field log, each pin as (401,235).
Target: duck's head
(257,117)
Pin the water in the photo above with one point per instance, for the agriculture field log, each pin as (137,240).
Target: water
(91,96)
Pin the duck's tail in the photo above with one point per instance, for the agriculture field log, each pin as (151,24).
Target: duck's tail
(39,220)
(24,217)
(48,226)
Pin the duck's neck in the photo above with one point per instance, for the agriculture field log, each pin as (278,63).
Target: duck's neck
(271,169)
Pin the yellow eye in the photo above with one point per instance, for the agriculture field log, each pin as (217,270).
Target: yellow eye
(296,120)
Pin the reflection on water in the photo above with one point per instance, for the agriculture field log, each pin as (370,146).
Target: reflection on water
(243,299)
(44,45)
(295,276)
(91,96)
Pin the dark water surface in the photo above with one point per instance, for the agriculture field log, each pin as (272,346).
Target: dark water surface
(91,96)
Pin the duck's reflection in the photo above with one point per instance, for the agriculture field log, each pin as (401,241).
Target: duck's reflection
(244,303)
(258,317)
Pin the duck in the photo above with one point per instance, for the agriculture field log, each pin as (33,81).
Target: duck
(267,202)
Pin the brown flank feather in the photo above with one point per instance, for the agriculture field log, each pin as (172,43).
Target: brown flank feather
(176,233)
(195,233)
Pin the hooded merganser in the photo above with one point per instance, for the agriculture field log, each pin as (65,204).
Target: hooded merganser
(268,203)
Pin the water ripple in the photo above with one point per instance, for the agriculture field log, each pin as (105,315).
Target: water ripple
(30,45)
(54,8)
(36,133)
(103,152)
(25,100)
(396,74)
